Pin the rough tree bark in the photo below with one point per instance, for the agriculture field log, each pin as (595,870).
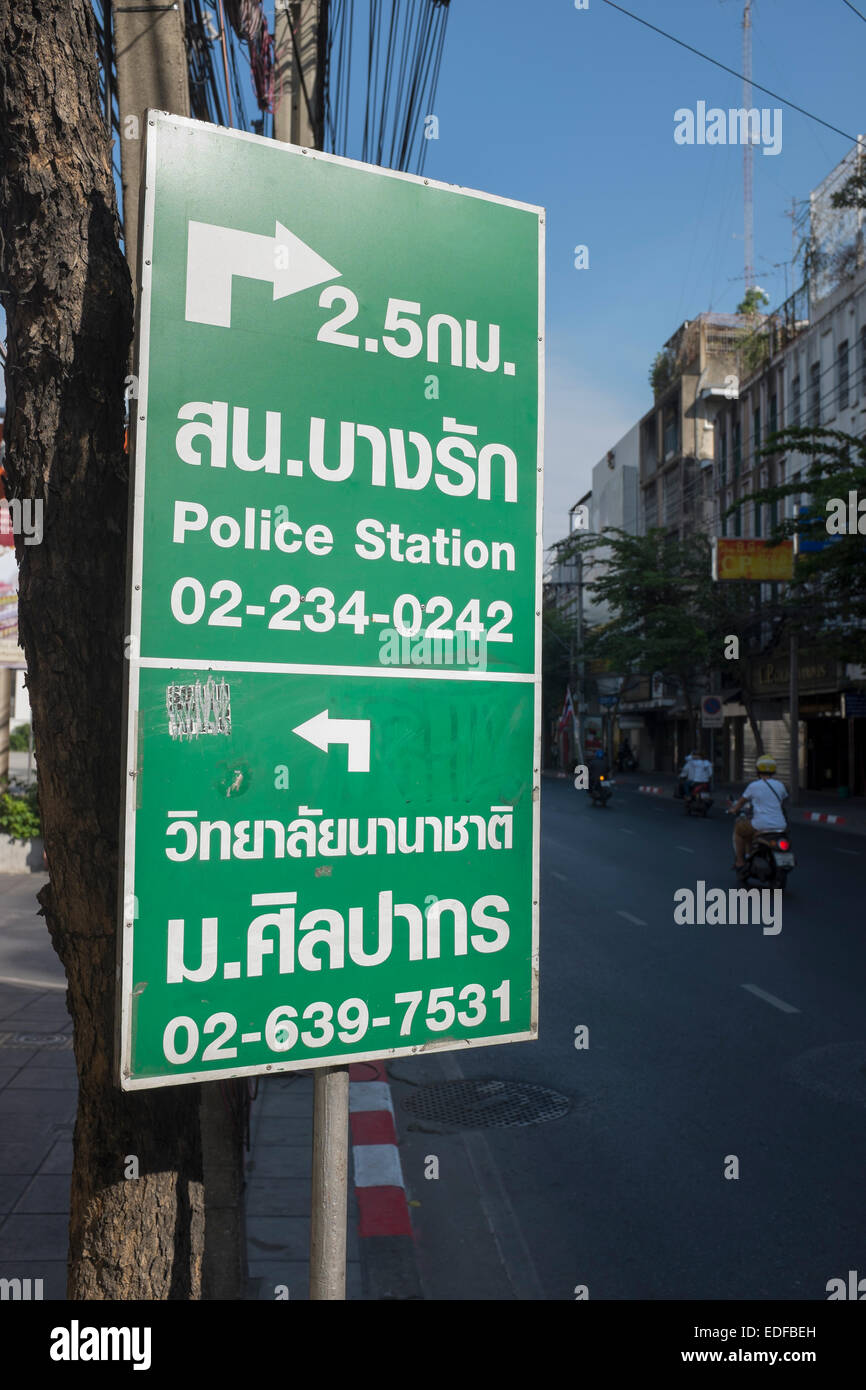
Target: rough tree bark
(66,290)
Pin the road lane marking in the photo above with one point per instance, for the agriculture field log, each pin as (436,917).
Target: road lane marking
(627,832)
(771,999)
(848,851)
(685,849)
(560,876)
(638,921)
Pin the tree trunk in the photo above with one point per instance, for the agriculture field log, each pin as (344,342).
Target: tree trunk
(748,702)
(66,290)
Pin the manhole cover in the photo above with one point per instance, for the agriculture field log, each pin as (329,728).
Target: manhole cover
(485,1104)
(52,1040)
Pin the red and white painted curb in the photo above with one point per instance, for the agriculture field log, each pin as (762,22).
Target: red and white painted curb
(379,1186)
(654,791)
(823,817)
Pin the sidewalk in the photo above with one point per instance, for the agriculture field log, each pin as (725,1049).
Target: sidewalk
(851,810)
(38,1094)
(278,1171)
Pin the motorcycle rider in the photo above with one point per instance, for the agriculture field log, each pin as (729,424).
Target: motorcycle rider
(687,775)
(702,773)
(598,769)
(625,758)
(767,795)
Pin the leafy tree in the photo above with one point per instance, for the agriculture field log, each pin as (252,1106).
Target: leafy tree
(852,194)
(557,655)
(662,372)
(657,588)
(826,601)
(669,615)
(752,300)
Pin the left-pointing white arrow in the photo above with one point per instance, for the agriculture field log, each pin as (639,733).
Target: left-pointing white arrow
(322,731)
(216,254)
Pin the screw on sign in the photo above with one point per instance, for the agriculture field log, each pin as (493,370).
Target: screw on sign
(331,832)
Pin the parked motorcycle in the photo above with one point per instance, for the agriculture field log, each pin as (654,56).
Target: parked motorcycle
(698,801)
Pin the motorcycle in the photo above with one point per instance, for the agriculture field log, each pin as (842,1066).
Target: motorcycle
(698,801)
(769,859)
(626,760)
(600,790)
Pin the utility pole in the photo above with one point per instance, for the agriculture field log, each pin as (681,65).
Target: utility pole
(581,712)
(299,33)
(283,64)
(581,672)
(794,701)
(151,72)
(748,152)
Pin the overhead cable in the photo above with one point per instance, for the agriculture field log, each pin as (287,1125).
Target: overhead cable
(732,71)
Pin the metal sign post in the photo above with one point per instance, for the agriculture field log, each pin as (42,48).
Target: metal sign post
(333,756)
(330,1183)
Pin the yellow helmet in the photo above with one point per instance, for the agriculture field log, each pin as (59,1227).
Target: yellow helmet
(766,764)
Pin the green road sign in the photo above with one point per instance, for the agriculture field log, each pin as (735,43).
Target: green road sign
(331,819)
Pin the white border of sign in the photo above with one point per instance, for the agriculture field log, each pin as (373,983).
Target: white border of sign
(153,120)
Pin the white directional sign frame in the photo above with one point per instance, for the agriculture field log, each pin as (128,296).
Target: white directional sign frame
(345,740)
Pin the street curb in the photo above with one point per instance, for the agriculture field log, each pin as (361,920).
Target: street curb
(796,815)
(385,1226)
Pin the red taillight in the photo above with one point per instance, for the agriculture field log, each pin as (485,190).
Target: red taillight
(784,844)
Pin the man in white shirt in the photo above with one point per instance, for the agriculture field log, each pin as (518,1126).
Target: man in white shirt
(767,795)
(702,770)
(687,776)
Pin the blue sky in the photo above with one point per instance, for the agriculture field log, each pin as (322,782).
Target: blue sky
(574,109)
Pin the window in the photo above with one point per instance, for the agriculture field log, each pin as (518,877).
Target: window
(815,393)
(738,448)
(671,433)
(863,359)
(738,522)
(795,402)
(757,516)
(671,497)
(756,433)
(723,455)
(774,413)
(842,375)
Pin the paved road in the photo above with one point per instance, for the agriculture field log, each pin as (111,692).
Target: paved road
(686,1066)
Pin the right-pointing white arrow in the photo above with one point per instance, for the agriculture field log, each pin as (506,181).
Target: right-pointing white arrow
(322,731)
(216,254)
